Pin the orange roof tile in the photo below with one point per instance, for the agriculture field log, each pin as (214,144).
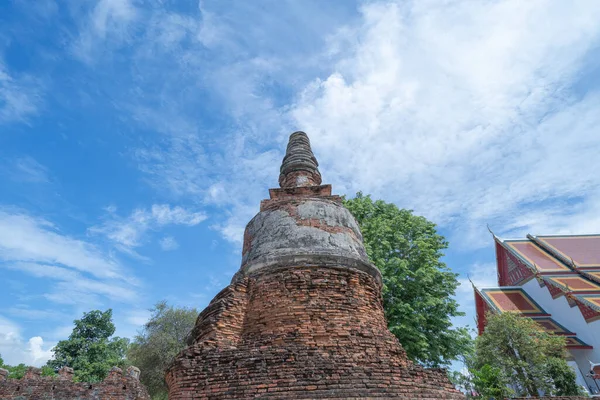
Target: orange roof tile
(543,261)
(584,249)
(574,283)
(514,299)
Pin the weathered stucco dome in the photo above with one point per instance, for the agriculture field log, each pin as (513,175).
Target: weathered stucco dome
(303,225)
(310,231)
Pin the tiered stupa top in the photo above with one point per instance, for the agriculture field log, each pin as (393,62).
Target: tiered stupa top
(302,223)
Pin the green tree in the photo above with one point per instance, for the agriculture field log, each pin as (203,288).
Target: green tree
(90,350)
(18,371)
(522,353)
(48,371)
(463,382)
(490,382)
(162,337)
(417,286)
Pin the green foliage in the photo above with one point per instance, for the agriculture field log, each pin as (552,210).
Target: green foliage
(519,351)
(162,338)
(418,286)
(489,381)
(463,382)
(18,371)
(48,371)
(563,378)
(90,350)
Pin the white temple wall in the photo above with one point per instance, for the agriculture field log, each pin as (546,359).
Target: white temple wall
(571,319)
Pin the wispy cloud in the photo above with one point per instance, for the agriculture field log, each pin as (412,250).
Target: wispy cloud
(460,111)
(129,232)
(20,95)
(455,110)
(168,243)
(26,169)
(25,238)
(138,317)
(72,271)
(28,313)
(73,287)
(483,275)
(106,23)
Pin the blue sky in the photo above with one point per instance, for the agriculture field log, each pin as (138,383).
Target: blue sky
(137,138)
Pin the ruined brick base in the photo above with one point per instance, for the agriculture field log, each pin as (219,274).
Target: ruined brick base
(300,333)
(116,386)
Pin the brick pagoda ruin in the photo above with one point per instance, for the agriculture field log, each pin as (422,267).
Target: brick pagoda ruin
(303,317)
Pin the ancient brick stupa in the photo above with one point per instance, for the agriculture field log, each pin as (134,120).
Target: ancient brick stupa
(303,316)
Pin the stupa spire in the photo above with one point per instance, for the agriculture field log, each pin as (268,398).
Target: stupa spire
(299,167)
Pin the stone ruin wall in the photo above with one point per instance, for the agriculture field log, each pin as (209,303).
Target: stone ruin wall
(116,386)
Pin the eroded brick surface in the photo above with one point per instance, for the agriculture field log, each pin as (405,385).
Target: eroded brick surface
(307,332)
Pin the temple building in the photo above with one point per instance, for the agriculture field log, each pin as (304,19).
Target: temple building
(555,280)
(303,316)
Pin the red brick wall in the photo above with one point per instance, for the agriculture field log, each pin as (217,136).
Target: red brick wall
(221,322)
(306,333)
(117,386)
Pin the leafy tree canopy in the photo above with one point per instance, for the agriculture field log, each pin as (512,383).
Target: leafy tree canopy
(18,371)
(417,286)
(163,336)
(520,353)
(90,350)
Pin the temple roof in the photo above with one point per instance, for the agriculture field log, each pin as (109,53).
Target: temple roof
(515,299)
(536,256)
(566,265)
(582,250)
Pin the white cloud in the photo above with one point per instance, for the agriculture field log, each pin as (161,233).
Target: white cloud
(15,350)
(27,238)
(73,271)
(73,287)
(20,96)
(61,332)
(109,21)
(483,275)
(168,243)
(129,232)
(181,168)
(456,110)
(138,318)
(26,313)
(26,169)
(460,111)
(35,346)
